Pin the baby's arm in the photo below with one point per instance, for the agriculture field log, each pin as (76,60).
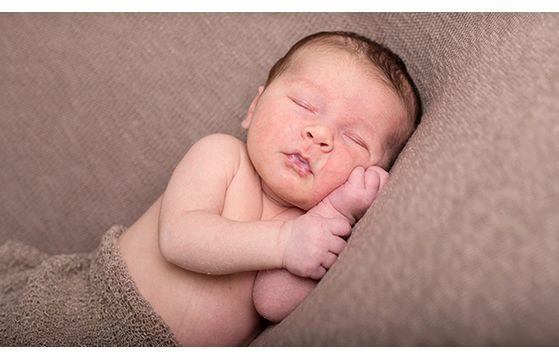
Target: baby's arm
(194,235)
(192,232)
(277,293)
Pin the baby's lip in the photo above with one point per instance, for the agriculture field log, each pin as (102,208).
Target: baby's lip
(300,162)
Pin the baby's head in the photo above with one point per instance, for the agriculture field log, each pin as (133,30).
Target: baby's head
(335,101)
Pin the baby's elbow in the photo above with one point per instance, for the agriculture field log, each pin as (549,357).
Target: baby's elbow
(163,246)
(166,244)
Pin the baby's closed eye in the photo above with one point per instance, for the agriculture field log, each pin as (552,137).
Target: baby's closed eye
(357,140)
(304,104)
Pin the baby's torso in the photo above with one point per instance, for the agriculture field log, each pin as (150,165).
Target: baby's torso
(200,309)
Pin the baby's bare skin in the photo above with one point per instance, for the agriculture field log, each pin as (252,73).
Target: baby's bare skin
(218,309)
(200,309)
(278,292)
(285,201)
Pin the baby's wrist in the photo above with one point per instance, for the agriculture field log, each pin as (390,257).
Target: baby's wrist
(281,239)
(326,209)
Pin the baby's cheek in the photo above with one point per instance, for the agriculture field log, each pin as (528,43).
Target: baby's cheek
(335,172)
(329,182)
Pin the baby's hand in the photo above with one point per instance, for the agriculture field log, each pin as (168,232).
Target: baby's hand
(312,243)
(353,198)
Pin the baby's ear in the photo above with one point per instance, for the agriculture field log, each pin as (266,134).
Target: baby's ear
(248,119)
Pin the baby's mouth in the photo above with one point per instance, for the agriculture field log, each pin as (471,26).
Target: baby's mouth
(299,163)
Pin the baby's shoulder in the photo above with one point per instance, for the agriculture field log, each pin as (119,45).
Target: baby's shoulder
(243,196)
(220,141)
(221,148)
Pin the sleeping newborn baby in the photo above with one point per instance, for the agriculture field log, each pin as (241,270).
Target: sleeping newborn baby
(244,231)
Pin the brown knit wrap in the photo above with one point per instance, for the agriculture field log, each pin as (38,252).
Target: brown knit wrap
(74,300)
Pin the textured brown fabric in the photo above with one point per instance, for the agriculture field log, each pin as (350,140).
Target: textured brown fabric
(74,300)
(460,249)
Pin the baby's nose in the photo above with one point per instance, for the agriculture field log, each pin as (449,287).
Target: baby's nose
(319,135)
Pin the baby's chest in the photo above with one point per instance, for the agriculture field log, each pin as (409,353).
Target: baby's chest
(243,197)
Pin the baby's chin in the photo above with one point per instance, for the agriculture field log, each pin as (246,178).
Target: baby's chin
(289,193)
(291,199)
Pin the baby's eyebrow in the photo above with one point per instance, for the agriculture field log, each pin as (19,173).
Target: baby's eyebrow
(365,125)
(305,82)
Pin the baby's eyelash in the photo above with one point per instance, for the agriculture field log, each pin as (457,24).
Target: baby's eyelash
(358,141)
(303,105)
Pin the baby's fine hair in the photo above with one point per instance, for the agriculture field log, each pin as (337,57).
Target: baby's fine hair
(390,65)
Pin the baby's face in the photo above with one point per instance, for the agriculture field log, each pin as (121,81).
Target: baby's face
(326,114)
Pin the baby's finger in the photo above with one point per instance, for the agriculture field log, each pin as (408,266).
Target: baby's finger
(339,227)
(318,273)
(383,174)
(329,260)
(357,177)
(337,244)
(373,179)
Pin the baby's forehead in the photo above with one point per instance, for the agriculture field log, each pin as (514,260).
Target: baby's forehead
(339,75)
(312,52)
(341,59)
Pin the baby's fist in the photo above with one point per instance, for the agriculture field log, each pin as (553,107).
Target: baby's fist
(353,198)
(312,244)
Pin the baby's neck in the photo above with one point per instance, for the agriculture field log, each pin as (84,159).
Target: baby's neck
(273,210)
(274,207)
